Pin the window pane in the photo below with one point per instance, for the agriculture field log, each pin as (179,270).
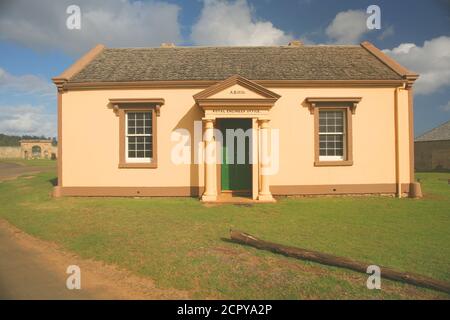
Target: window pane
(331,133)
(139,137)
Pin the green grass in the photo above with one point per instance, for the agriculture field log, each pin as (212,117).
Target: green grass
(179,242)
(31,162)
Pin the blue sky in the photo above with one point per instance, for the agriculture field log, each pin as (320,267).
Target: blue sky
(35,44)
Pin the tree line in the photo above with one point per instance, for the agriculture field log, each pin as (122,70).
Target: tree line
(14,141)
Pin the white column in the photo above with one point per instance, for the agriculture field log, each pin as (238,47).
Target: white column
(264,163)
(255,159)
(210,193)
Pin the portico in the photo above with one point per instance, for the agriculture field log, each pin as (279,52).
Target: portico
(248,104)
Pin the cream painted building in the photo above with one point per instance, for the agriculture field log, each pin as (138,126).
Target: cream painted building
(156,122)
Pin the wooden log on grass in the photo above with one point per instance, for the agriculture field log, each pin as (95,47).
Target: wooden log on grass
(335,261)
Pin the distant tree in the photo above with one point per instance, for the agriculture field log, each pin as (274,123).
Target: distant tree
(6,140)
(13,141)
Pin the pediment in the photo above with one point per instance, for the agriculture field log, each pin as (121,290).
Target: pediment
(236,87)
(236,91)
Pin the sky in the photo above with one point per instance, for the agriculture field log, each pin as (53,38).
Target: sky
(36,45)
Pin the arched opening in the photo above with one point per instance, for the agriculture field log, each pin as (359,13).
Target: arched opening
(36,151)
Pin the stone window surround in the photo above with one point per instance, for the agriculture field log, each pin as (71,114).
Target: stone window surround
(347,104)
(121,107)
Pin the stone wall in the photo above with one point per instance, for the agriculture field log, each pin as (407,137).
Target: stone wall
(25,151)
(432,155)
(10,152)
(36,149)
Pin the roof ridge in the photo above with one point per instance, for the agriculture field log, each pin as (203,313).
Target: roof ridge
(433,129)
(223,47)
(391,63)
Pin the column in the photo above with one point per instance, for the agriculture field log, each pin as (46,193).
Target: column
(264,161)
(210,193)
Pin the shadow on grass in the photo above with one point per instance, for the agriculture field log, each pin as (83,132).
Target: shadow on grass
(53,181)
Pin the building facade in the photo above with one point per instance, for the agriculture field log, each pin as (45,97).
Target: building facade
(157,122)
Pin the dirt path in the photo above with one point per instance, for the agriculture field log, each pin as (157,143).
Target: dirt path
(10,170)
(34,269)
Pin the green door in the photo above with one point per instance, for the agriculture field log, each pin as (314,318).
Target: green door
(235,176)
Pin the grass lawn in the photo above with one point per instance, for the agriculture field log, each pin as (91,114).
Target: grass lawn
(179,242)
(32,162)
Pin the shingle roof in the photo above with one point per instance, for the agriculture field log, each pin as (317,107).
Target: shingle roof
(219,63)
(441,132)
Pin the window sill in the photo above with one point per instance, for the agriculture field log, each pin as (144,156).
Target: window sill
(152,165)
(333,163)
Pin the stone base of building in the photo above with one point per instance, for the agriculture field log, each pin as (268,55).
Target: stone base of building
(57,192)
(209,198)
(415,190)
(412,190)
(266,198)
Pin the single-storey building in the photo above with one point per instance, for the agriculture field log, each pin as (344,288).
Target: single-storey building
(254,121)
(432,149)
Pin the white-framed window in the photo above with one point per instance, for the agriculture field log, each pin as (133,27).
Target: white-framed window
(138,136)
(332,135)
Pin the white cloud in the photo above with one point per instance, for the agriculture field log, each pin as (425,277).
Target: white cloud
(431,61)
(348,27)
(29,84)
(233,23)
(387,32)
(121,23)
(27,120)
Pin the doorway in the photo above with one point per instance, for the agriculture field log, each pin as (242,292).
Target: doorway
(236,166)
(36,151)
